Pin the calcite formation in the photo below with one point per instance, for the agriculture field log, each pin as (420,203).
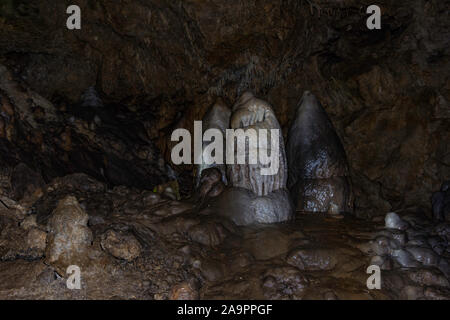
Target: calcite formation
(218,117)
(69,237)
(318,169)
(253,197)
(250,112)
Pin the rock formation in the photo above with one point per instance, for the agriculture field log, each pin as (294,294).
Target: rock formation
(91,112)
(87,139)
(244,207)
(211,183)
(253,113)
(253,197)
(177,58)
(218,117)
(69,237)
(318,170)
(415,244)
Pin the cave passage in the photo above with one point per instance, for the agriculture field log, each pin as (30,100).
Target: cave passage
(184,150)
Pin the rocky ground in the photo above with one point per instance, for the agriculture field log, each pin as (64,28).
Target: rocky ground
(137,244)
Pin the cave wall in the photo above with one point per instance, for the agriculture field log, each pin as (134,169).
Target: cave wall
(386,91)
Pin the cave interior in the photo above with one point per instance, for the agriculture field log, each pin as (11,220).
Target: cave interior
(87,171)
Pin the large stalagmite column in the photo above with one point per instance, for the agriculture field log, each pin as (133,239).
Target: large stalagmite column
(318,171)
(254,197)
(253,113)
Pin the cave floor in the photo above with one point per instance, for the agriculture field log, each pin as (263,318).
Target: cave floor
(190,253)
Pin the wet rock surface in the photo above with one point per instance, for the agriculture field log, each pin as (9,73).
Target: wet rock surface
(243,207)
(252,113)
(256,190)
(318,170)
(218,117)
(146,246)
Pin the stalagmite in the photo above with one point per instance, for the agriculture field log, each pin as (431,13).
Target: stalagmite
(253,197)
(218,117)
(318,170)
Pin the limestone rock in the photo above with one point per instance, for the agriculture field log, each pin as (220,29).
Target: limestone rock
(210,234)
(428,277)
(218,117)
(29,222)
(391,110)
(425,256)
(404,258)
(243,207)
(121,245)
(284,283)
(412,292)
(324,258)
(254,197)
(111,152)
(211,183)
(250,112)
(437,293)
(17,242)
(312,259)
(76,182)
(69,237)
(25,182)
(37,240)
(184,291)
(381,246)
(12,209)
(318,170)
